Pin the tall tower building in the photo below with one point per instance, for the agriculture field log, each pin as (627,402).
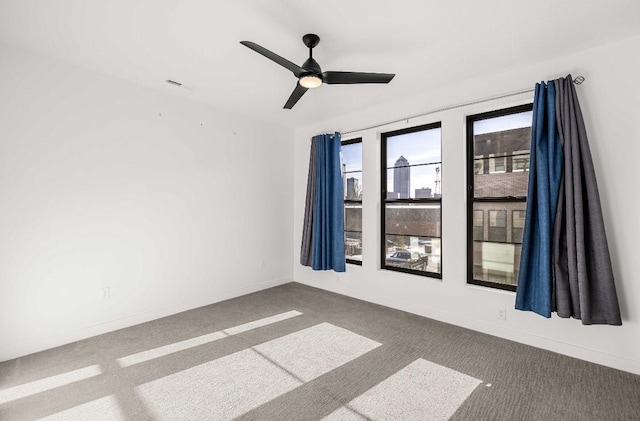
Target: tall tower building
(401,176)
(353,188)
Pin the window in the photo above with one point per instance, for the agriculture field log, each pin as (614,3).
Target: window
(352,178)
(411,197)
(520,161)
(478,225)
(517,226)
(478,165)
(498,225)
(498,175)
(497,164)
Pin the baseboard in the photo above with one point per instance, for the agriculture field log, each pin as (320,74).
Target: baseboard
(538,341)
(29,347)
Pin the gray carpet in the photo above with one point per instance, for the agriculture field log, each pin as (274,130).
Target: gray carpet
(299,353)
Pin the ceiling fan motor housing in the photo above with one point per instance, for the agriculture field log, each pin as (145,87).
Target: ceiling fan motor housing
(312,67)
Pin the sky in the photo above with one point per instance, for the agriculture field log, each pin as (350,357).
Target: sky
(352,156)
(507,122)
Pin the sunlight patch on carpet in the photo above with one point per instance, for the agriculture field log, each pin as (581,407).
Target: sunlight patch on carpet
(48,383)
(230,386)
(420,391)
(312,352)
(262,322)
(201,340)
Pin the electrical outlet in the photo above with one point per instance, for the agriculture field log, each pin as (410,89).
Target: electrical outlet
(502,313)
(105,293)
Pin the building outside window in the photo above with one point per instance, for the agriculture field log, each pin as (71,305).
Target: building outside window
(498,174)
(411,197)
(497,164)
(352,176)
(520,161)
(497,225)
(478,165)
(517,225)
(478,225)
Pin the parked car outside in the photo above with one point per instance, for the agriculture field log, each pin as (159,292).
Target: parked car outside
(408,259)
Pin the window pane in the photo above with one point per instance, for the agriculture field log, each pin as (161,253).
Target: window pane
(422,147)
(413,219)
(411,210)
(410,252)
(353,245)
(353,186)
(496,262)
(352,179)
(500,149)
(501,155)
(352,157)
(423,181)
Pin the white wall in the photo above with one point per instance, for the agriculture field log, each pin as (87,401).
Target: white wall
(610,100)
(103,183)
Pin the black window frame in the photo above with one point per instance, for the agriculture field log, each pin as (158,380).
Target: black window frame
(351,201)
(385,200)
(470,167)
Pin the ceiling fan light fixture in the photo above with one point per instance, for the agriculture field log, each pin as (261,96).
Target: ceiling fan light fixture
(310,81)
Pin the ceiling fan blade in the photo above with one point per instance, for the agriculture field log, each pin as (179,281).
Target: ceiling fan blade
(343,78)
(297,70)
(295,96)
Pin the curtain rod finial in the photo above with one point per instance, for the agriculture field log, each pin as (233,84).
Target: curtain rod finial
(578,80)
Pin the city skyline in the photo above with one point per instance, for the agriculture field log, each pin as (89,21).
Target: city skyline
(402,188)
(422,151)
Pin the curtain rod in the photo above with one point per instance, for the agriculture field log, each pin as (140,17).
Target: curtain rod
(578,81)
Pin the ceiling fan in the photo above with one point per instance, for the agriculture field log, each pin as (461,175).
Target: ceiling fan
(310,75)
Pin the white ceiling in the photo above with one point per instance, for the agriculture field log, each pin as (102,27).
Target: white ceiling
(196,42)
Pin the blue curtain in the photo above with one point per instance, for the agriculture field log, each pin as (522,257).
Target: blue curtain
(534,291)
(323,231)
